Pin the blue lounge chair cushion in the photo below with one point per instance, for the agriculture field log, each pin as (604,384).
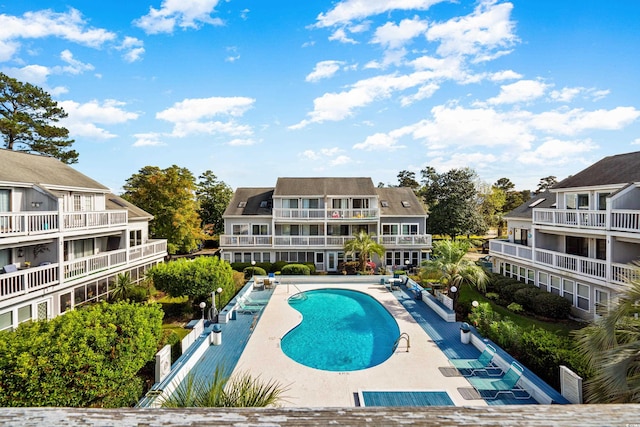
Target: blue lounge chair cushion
(490,388)
(482,363)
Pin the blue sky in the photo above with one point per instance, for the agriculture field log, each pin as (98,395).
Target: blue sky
(253,90)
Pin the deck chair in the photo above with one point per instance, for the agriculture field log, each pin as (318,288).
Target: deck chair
(247,308)
(484,362)
(490,388)
(254,301)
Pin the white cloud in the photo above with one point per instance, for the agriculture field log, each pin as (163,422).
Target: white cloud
(349,10)
(34,74)
(382,141)
(521,91)
(332,156)
(150,139)
(241,142)
(74,66)
(394,36)
(83,118)
(178,13)
(488,28)
(341,36)
(324,70)
(424,92)
(340,160)
(133,48)
(566,94)
(505,75)
(556,152)
(193,116)
(571,122)
(636,141)
(68,25)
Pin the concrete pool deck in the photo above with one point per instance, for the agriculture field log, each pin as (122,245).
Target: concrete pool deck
(415,370)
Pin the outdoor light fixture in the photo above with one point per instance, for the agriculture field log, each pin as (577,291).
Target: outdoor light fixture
(35,204)
(20,253)
(253,268)
(202,306)
(218,291)
(407,263)
(475,304)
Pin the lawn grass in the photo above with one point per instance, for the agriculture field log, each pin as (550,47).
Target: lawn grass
(177,328)
(563,328)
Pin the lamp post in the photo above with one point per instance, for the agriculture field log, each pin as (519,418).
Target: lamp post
(202,306)
(253,268)
(407,263)
(218,291)
(475,304)
(454,292)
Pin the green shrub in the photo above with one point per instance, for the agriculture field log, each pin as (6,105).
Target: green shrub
(551,305)
(515,307)
(492,296)
(295,270)
(506,334)
(349,267)
(526,297)
(508,291)
(312,267)
(138,294)
(251,271)
(277,266)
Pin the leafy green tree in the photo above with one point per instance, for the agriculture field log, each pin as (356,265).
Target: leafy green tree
(89,357)
(611,346)
(449,266)
(123,287)
(27,121)
(363,245)
(196,279)
(214,197)
(491,203)
(408,179)
(546,183)
(168,194)
(220,391)
(452,201)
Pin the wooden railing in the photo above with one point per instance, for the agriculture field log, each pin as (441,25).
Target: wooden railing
(27,280)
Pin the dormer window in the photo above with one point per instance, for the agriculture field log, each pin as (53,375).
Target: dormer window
(264,204)
(384,203)
(242,204)
(406,204)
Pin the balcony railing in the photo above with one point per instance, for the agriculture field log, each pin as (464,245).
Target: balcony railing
(147,250)
(31,223)
(28,280)
(330,214)
(625,220)
(318,241)
(91,264)
(575,218)
(511,249)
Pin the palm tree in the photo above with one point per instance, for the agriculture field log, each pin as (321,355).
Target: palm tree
(611,346)
(363,245)
(220,391)
(123,287)
(449,267)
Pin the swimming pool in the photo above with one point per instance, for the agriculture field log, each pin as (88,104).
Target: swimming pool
(341,330)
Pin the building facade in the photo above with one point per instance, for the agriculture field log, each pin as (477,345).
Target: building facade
(64,238)
(580,239)
(308,220)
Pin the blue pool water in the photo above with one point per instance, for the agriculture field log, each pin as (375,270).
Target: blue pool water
(341,330)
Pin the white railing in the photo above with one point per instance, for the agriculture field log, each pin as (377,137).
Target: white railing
(27,280)
(26,223)
(625,220)
(623,273)
(148,249)
(416,239)
(576,264)
(243,240)
(298,213)
(84,266)
(575,218)
(319,241)
(512,249)
(80,220)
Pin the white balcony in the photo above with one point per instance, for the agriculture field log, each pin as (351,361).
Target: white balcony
(33,223)
(28,280)
(412,240)
(244,240)
(154,247)
(230,241)
(512,249)
(625,220)
(329,214)
(571,218)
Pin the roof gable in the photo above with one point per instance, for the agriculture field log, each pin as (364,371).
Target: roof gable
(324,187)
(618,169)
(399,201)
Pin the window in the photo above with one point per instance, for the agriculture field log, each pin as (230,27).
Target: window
(314,230)
(555,285)
(77,202)
(5,206)
(43,311)
(361,203)
(583,297)
(24,314)
(65,302)
(6,320)
(79,295)
(5,257)
(260,229)
(507,269)
(319,257)
(290,230)
(520,236)
(310,203)
(266,257)
(537,202)
(384,203)
(242,204)
(602,302)
(409,229)
(264,204)
(523,274)
(389,229)
(88,203)
(290,203)
(577,246)
(577,201)
(568,290)
(102,287)
(530,276)
(135,237)
(601,249)
(240,229)
(83,248)
(543,281)
(339,204)
(406,204)
(602,201)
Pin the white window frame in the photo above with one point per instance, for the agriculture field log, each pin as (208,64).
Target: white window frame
(581,296)
(555,286)
(569,290)
(239,229)
(543,283)
(409,228)
(390,228)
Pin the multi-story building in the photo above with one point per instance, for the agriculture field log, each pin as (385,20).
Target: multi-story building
(64,238)
(580,238)
(309,219)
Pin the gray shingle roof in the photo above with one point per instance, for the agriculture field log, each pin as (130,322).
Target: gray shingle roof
(324,187)
(42,170)
(118,203)
(618,169)
(394,196)
(525,210)
(248,201)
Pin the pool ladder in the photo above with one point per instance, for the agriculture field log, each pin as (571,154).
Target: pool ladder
(300,295)
(406,337)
